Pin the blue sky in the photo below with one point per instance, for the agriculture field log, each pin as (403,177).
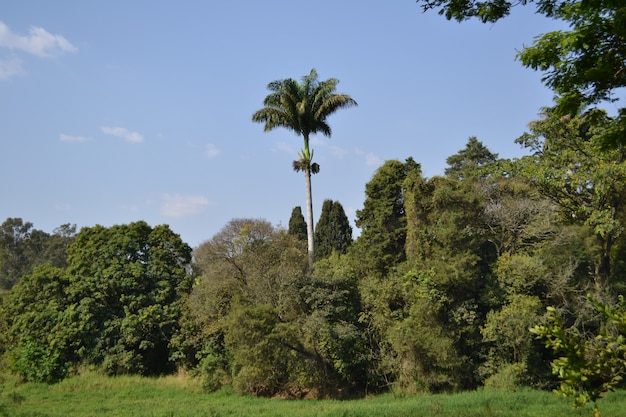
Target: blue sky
(117,111)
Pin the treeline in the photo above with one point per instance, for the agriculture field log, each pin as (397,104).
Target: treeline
(438,292)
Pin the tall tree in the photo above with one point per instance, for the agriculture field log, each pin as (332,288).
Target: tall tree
(333,231)
(382,219)
(303,108)
(297,224)
(470,161)
(585,182)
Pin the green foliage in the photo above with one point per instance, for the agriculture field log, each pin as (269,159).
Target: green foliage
(382,219)
(332,326)
(117,305)
(39,346)
(583,65)
(588,367)
(247,270)
(509,357)
(470,162)
(254,336)
(333,232)
(22,248)
(585,182)
(126,284)
(297,224)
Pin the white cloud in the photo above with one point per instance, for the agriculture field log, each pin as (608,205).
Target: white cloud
(122,132)
(285,147)
(212,151)
(372,160)
(10,67)
(178,205)
(68,138)
(338,152)
(38,42)
(318,141)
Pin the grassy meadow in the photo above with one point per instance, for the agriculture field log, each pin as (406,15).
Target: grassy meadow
(95,395)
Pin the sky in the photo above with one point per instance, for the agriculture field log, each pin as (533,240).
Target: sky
(117,111)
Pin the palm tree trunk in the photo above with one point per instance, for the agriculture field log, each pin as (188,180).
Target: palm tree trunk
(306,154)
(309,215)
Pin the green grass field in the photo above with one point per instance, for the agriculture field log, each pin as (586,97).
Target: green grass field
(94,395)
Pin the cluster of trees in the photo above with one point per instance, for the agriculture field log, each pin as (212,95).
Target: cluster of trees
(436,294)
(22,247)
(115,304)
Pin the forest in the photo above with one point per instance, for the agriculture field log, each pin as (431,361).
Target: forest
(501,273)
(436,294)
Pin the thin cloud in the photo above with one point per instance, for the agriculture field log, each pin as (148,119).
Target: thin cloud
(69,138)
(285,147)
(122,132)
(10,67)
(372,160)
(178,205)
(212,151)
(338,152)
(38,42)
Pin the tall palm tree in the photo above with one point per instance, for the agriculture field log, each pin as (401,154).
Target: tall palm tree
(303,108)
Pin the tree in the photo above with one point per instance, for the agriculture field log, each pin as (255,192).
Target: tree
(588,367)
(126,286)
(16,251)
(248,271)
(40,342)
(333,329)
(382,219)
(22,247)
(585,65)
(333,232)
(297,224)
(585,181)
(470,161)
(303,108)
(448,257)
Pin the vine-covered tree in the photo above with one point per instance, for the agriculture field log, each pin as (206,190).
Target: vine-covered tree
(303,108)
(382,219)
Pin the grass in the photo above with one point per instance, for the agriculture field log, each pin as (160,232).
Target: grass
(181,396)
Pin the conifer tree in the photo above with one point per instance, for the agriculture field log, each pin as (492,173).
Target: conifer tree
(297,224)
(333,231)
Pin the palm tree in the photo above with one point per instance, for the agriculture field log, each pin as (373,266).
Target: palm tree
(303,108)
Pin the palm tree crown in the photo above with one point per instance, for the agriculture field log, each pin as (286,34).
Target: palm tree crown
(303,108)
